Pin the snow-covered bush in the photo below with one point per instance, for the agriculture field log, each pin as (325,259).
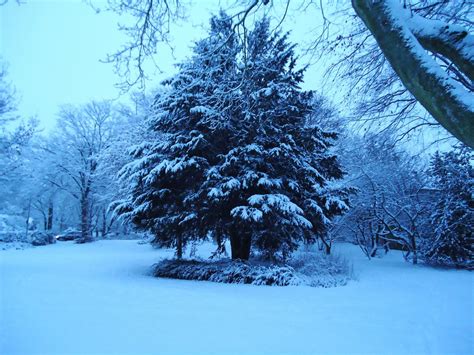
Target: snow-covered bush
(38,238)
(14,245)
(12,227)
(452,243)
(320,269)
(310,267)
(12,233)
(226,271)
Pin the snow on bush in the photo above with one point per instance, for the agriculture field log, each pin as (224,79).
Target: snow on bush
(39,238)
(12,229)
(14,245)
(12,236)
(226,271)
(321,270)
(306,268)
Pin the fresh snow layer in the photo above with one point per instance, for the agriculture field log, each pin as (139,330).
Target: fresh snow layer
(100,298)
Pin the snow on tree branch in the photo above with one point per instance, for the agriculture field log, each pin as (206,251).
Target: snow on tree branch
(444,98)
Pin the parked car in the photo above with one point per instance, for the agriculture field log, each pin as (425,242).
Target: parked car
(69,234)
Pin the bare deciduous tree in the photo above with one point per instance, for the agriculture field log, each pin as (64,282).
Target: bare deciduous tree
(13,135)
(83,134)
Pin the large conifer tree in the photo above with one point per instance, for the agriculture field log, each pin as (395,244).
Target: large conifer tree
(236,159)
(271,186)
(190,122)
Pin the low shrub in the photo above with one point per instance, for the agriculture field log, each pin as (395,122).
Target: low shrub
(306,268)
(39,238)
(321,270)
(227,271)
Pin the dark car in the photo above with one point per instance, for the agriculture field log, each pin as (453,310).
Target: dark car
(68,235)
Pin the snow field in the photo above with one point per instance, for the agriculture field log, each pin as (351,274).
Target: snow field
(99,298)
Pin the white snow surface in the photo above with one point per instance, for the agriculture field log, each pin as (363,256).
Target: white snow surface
(99,298)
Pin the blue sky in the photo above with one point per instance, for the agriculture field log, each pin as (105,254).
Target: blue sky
(53,50)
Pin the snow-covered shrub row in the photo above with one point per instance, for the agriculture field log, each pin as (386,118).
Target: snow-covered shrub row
(226,271)
(306,268)
(12,229)
(18,240)
(12,236)
(14,245)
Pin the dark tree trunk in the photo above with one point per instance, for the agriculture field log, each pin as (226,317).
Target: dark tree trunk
(104,224)
(220,241)
(245,247)
(414,250)
(28,219)
(85,233)
(49,225)
(234,245)
(327,246)
(240,244)
(179,247)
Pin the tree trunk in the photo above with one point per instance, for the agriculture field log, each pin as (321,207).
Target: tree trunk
(327,246)
(240,244)
(61,223)
(414,250)
(28,211)
(235,244)
(85,233)
(245,246)
(445,99)
(49,225)
(104,223)
(179,246)
(220,241)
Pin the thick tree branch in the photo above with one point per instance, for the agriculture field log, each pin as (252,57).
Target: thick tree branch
(451,41)
(445,99)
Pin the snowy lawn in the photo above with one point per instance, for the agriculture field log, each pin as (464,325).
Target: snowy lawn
(99,298)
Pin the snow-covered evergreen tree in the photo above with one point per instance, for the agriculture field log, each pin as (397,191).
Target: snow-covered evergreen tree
(191,121)
(453,216)
(235,159)
(272,185)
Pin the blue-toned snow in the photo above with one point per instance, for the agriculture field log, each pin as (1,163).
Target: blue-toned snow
(98,298)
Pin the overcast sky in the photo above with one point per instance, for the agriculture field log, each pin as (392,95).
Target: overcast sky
(53,50)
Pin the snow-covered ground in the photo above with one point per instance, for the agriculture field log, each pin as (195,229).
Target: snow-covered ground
(98,298)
